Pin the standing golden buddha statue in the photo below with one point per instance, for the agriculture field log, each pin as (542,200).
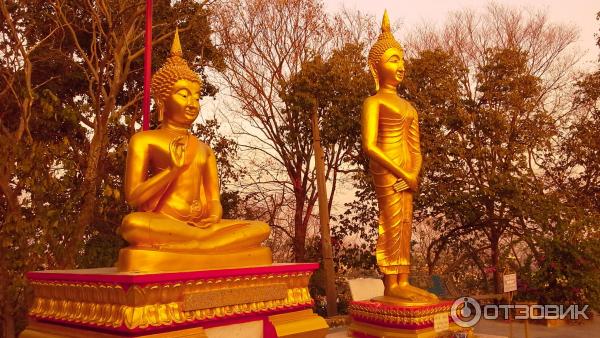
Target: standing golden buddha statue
(390,137)
(171,178)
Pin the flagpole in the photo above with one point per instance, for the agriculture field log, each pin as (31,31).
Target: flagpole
(147,66)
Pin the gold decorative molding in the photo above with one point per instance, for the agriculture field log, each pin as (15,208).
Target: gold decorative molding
(162,304)
(375,319)
(397,315)
(241,295)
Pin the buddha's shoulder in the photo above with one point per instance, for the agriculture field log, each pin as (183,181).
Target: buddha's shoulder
(371,100)
(149,138)
(144,137)
(203,147)
(372,103)
(408,105)
(389,100)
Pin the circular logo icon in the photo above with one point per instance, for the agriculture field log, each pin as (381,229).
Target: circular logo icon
(465,312)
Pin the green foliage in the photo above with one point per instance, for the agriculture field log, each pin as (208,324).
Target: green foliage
(46,155)
(567,273)
(355,231)
(476,175)
(578,167)
(566,267)
(500,174)
(334,89)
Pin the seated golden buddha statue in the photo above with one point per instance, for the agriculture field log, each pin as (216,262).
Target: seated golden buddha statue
(390,137)
(171,178)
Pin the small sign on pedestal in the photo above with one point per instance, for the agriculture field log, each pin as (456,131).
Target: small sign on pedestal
(440,322)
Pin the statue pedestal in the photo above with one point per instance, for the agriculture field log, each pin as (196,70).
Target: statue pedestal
(371,319)
(263,301)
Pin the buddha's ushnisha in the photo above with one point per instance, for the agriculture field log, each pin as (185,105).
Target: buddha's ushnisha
(171,178)
(390,136)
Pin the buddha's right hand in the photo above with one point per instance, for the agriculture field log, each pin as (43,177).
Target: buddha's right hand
(177,151)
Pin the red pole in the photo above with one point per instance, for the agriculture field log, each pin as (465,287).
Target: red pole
(147,66)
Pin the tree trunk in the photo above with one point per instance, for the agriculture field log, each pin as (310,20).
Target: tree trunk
(494,241)
(90,189)
(299,228)
(324,205)
(8,323)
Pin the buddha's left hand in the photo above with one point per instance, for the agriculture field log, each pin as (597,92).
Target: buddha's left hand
(400,185)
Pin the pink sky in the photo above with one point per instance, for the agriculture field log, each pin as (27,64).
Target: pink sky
(581,13)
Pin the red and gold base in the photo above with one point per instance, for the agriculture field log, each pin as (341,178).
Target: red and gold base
(371,319)
(271,301)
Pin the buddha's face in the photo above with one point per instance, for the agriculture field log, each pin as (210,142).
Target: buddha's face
(391,67)
(182,106)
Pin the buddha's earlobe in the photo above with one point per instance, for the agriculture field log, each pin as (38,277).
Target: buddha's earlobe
(375,76)
(161,109)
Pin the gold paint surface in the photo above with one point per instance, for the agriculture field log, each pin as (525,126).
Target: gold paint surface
(398,301)
(140,260)
(363,314)
(417,315)
(171,179)
(111,306)
(242,295)
(390,138)
(299,324)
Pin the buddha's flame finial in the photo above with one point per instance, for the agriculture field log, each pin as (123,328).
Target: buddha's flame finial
(385,23)
(176,46)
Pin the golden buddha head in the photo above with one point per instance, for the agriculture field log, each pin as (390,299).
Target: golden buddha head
(176,88)
(386,57)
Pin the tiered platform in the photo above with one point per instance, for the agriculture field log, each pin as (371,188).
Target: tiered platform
(372,319)
(266,301)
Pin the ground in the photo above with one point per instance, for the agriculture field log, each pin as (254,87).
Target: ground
(496,329)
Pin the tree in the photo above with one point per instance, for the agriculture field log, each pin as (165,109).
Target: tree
(328,96)
(488,99)
(69,100)
(106,38)
(481,180)
(569,266)
(266,44)
(578,167)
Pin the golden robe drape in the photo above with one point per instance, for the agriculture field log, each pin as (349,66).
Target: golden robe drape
(398,138)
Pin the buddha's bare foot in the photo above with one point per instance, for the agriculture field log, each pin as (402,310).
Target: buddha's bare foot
(180,246)
(425,293)
(410,293)
(204,247)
